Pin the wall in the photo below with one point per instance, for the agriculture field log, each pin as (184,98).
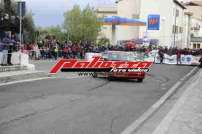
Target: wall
(166,10)
(141,9)
(106,31)
(196,27)
(129,9)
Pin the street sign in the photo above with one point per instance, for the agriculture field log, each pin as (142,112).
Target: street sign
(153,22)
(21,8)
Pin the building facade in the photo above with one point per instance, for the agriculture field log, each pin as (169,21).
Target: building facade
(128,9)
(106,30)
(195,8)
(173,27)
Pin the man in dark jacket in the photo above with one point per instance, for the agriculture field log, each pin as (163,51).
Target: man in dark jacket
(178,53)
(161,56)
(1,46)
(9,46)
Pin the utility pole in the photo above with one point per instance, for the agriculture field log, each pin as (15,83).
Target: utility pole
(20,4)
(21,13)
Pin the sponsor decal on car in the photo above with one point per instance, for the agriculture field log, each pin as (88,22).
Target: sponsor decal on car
(100,65)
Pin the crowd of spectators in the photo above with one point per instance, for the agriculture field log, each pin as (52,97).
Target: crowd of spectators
(185,51)
(50,48)
(53,49)
(8,45)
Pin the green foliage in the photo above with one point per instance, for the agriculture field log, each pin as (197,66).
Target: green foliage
(29,28)
(103,42)
(55,31)
(28,22)
(81,25)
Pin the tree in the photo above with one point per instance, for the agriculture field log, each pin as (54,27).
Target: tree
(55,31)
(10,7)
(91,26)
(81,25)
(72,23)
(29,28)
(103,41)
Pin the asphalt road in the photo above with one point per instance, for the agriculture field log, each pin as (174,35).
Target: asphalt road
(81,105)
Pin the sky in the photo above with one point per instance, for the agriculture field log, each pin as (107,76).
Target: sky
(50,12)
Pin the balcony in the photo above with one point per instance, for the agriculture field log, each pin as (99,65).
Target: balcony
(196,39)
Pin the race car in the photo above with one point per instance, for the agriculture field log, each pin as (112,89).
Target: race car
(120,56)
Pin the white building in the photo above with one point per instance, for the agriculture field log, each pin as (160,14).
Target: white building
(195,8)
(106,30)
(128,9)
(173,24)
(172,31)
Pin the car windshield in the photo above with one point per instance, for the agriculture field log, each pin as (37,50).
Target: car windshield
(119,56)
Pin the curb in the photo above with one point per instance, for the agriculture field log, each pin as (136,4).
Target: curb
(24,81)
(12,68)
(170,118)
(136,124)
(22,76)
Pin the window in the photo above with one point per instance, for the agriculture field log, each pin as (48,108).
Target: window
(199,46)
(181,30)
(194,46)
(173,28)
(177,12)
(177,29)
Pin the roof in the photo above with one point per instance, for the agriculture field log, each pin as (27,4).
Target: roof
(191,4)
(179,4)
(194,3)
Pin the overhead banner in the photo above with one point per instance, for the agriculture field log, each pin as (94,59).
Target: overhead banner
(153,22)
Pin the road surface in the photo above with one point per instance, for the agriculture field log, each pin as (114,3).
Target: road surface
(81,105)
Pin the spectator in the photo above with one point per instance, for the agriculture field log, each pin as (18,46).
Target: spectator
(161,56)
(178,57)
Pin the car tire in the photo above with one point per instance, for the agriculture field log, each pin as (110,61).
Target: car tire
(95,75)
(110,78)
(139,80)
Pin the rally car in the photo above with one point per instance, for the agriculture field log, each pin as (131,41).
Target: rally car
(120,56)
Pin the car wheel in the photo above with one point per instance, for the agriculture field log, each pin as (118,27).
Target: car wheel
(110,78)
(95,75)
(139,80)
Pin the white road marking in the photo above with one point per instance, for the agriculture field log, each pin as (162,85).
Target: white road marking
(24,81)
(38,79)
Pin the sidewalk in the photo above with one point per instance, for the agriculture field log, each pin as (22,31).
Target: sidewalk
(186,115)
